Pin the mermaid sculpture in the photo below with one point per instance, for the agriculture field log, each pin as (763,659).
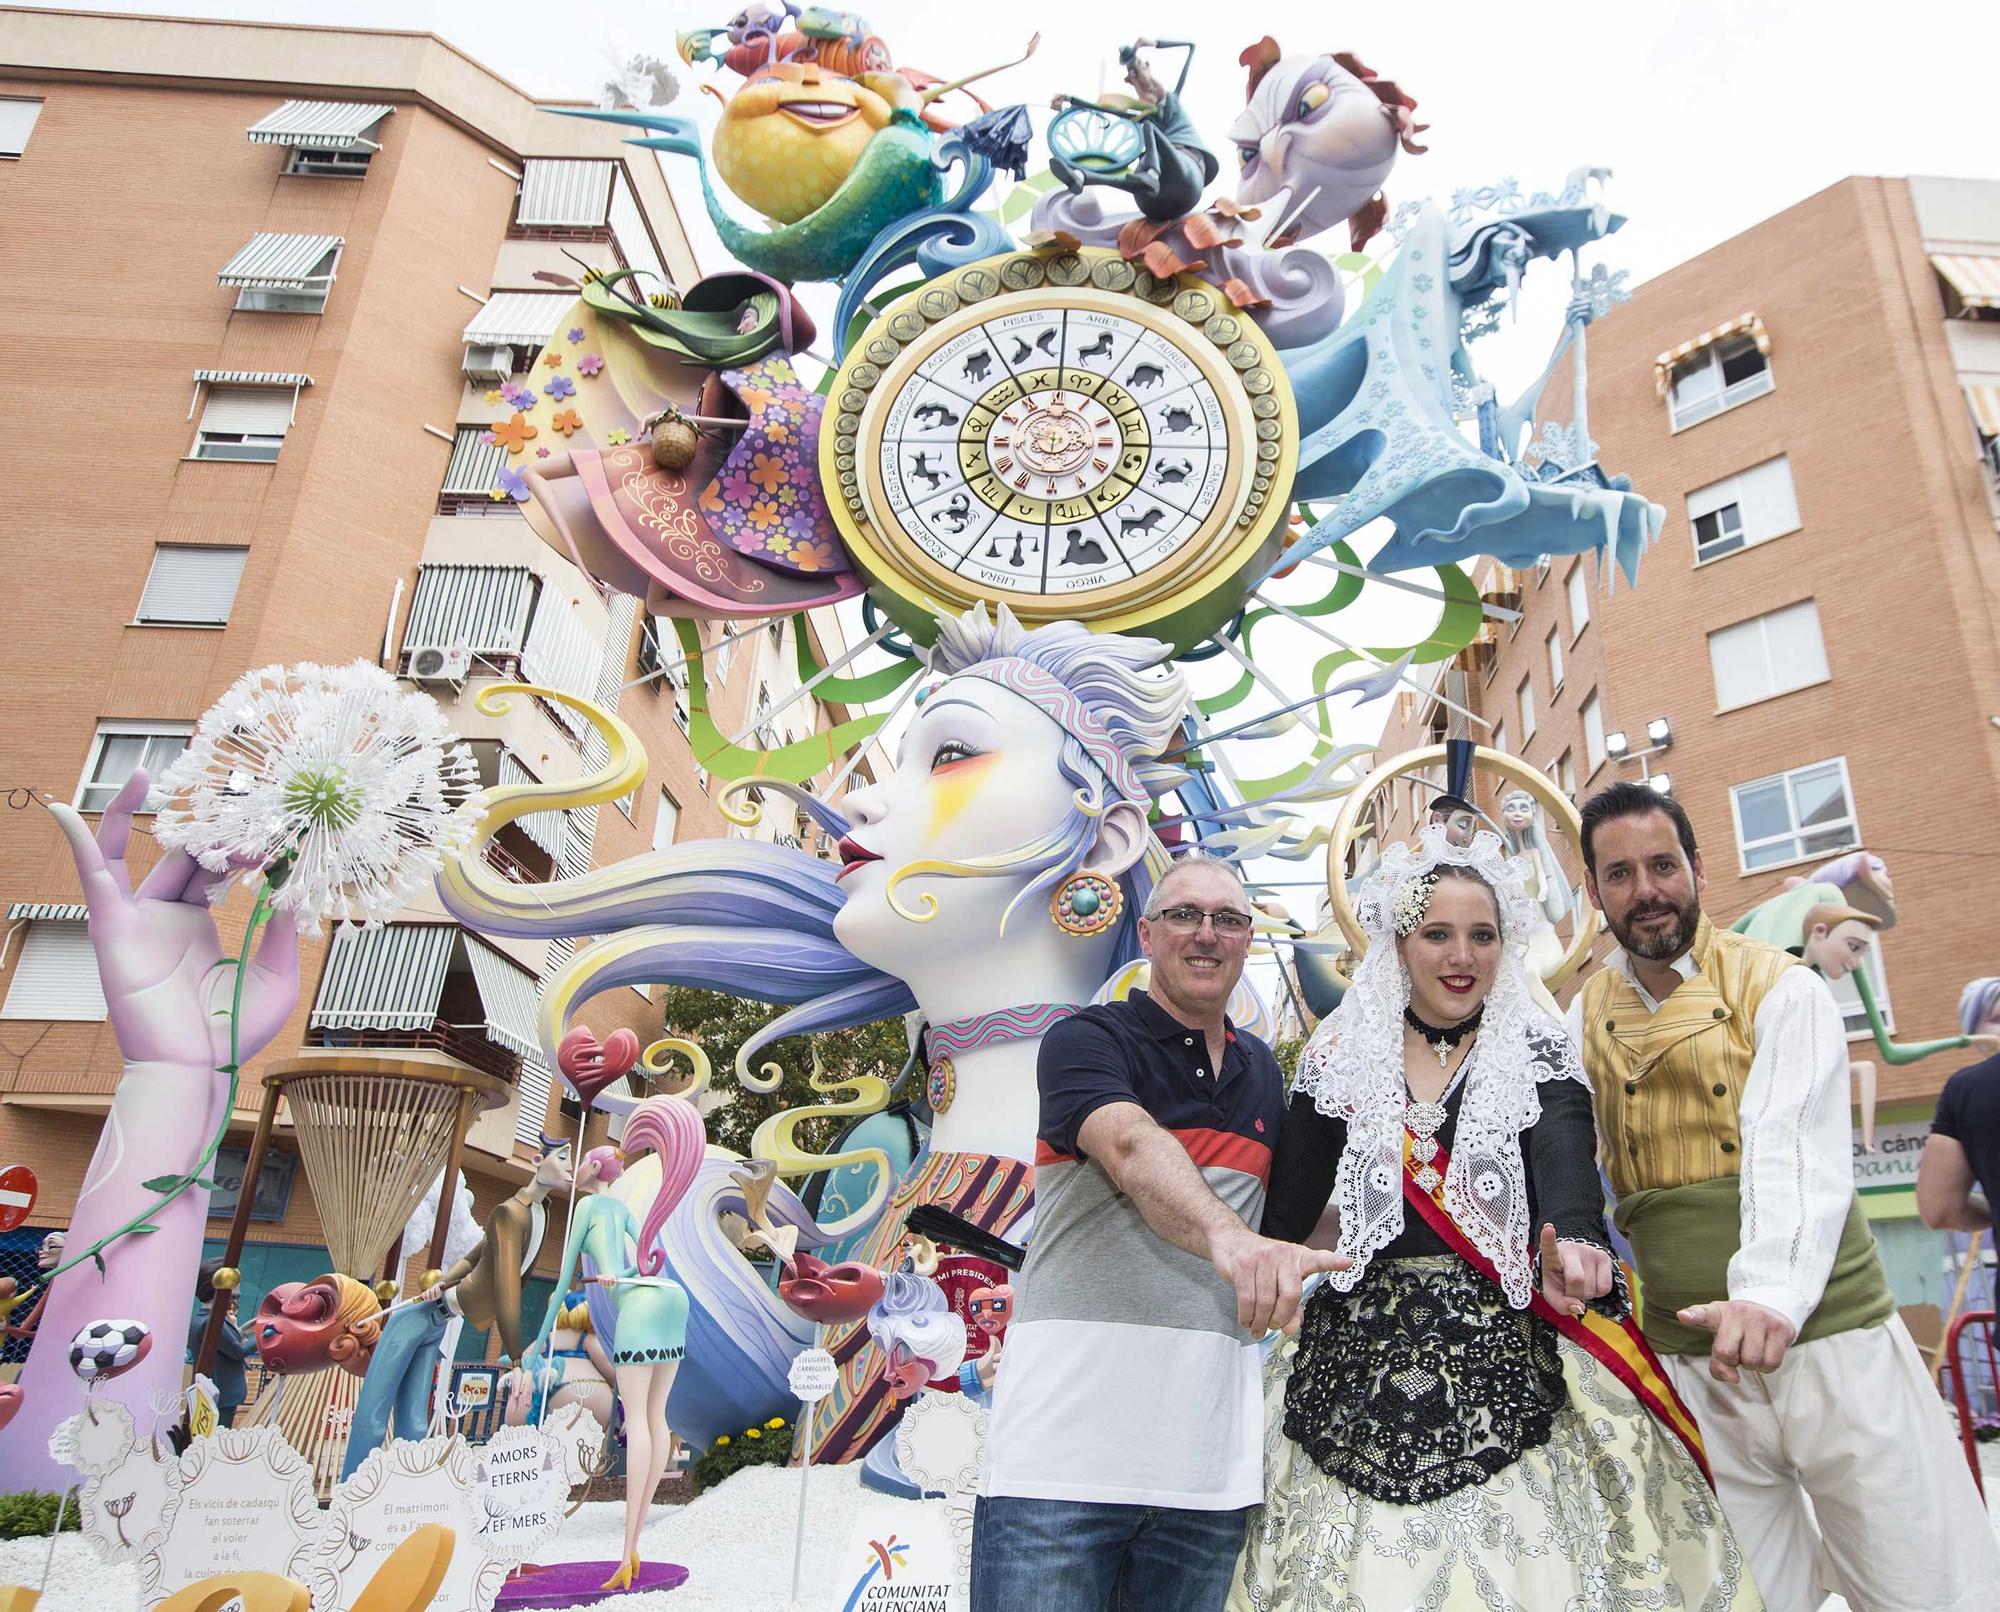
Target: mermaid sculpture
(621,1253)
(992,880)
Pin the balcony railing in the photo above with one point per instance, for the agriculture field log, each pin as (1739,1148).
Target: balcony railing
(463,1042)
(511,867)
(476,504)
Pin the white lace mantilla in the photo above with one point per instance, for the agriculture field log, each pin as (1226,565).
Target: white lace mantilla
(1353,1067)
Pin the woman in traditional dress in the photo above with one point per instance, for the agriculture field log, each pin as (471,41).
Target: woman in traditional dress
(1454,1427)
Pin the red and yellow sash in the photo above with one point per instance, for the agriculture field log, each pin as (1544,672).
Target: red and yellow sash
(1616,1345)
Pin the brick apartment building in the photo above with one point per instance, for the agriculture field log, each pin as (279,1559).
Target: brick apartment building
(268,275)
(1815,402)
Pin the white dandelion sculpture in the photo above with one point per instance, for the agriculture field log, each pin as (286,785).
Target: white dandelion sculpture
(337,789)
(341,789)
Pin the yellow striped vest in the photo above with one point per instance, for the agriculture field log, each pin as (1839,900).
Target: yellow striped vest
(1670,1084)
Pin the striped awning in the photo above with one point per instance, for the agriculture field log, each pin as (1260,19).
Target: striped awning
(1975,279)
(384,979)
(573,193)
(61,912)
(282,262)
(1983,398)
(475,466)
(518,319)
(483,608)
(507,992)
(320,125)
(1744,324)
(251,377)
(549,830)
(561,653)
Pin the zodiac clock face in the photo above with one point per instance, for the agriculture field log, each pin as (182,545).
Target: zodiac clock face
(1065,434)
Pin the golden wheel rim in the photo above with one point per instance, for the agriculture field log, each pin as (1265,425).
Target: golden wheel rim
(1562,815)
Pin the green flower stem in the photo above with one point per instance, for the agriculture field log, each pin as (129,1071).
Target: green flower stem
(171,1188)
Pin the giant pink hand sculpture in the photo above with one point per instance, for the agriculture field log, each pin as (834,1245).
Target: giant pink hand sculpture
(168,987)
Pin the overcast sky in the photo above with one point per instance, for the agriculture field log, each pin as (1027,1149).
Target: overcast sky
(1712,114)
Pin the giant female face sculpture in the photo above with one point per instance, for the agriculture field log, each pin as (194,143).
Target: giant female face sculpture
(939,867)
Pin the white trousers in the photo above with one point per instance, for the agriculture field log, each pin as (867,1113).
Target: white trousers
(1853,1422)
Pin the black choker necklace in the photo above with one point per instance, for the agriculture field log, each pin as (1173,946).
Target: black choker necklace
(1442,1041)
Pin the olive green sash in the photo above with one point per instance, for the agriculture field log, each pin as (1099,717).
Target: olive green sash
(1683,1239)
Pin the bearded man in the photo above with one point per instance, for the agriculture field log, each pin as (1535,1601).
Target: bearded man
(1720,1069)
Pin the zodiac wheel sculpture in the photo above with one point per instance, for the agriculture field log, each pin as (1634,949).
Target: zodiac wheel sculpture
(1069,433)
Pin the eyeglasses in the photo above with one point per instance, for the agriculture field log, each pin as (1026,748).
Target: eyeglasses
(1186,920)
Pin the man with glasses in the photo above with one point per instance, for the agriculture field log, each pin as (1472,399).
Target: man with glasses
(1125,1448)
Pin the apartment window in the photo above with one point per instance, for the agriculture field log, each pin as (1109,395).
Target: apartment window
(122,746)
(1578,585)
(17,122)
(1555,649)
(1853,1017)
(1526,695)
(1500,737)
(1805,813)
(666,821)
(472,476)
(328,138)
(679,679)
(56,977)
(1563,771)
(482,610)
(244,422)
(191,585)
(1767,655)
(283,273)
(564,193)
(310,163)
(1717,378)
(776,628)
(1593,735)
(763,715)
(1740,511)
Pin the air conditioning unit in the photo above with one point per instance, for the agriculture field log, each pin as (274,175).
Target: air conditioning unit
(494,364)
(452,665)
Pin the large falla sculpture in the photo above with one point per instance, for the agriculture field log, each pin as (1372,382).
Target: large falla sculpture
(1059,466)
(1065,441)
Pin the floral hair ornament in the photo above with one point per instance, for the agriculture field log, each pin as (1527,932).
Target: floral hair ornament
(1409,904)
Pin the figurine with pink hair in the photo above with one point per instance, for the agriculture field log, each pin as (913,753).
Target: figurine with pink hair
(649,1334)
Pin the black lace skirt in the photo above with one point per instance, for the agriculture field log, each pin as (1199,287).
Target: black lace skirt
(1420,1382)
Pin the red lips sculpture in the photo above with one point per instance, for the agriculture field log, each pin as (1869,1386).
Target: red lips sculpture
(830,1294)
(589,1067)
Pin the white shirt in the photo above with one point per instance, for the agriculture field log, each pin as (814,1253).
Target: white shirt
(1797,1138)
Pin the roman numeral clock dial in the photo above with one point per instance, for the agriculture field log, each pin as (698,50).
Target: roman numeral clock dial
(1065,433)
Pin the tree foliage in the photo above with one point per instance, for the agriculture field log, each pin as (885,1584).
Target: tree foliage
(721,1024)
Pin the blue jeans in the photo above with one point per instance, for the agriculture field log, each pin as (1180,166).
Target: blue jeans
(396,1392)
(1080,1556)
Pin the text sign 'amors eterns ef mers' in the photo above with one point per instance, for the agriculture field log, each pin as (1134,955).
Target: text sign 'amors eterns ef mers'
(1068,434)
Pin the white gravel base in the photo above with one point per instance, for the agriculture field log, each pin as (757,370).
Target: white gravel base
(735,1541)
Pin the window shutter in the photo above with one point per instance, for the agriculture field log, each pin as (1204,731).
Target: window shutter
(56,977)
(258,411)
(192,584)
(1770,506)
